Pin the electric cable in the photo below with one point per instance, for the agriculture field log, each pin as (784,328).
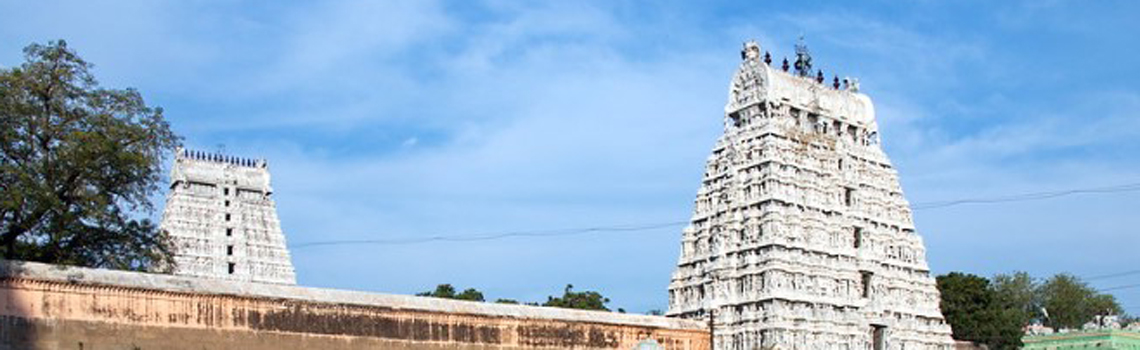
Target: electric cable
(1128,286)
(1029,196)
(1129,187)
(1112,275)
(494,236)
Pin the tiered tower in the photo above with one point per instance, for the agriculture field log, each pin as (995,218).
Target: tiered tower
(801,237)
(222,220)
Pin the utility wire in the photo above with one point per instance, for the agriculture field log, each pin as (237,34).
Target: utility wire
(493,236)
(630,228)
(1029,196)
(1113,275)
(1130,286)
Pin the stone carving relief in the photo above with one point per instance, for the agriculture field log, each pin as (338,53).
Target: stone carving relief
(772,244)
(222,220)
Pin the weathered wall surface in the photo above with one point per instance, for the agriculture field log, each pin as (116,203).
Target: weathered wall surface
(51,307)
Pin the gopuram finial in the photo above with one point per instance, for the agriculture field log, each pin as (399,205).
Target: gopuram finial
(751,51)
(852,84)
(803,58)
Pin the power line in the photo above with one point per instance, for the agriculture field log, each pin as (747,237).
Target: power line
(1029,196)
(628,228)
(1129,286)
(1113,275)
(493,236)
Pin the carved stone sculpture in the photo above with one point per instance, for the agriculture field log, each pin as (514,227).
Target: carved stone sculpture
(223,221)
(800,236)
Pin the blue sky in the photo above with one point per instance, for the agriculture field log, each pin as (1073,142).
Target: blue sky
(387,120)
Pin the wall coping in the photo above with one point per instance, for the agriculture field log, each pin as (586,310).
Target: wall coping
(11,269)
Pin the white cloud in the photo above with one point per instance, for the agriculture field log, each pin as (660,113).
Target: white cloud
(560,133)
(342,42)
(396,119)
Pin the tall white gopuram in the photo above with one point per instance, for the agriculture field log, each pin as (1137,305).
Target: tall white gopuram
(801,237)
(223,222)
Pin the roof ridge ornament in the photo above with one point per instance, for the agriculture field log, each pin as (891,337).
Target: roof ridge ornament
(751,51)
(851,84)
(803,58)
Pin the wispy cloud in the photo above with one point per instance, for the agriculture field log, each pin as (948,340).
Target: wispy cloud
(419,118)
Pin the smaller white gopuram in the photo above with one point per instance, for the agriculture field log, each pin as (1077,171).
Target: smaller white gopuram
(222,220)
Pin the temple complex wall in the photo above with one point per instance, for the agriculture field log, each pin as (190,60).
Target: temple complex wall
(54,307)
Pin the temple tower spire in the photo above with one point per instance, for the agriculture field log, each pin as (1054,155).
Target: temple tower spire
(222,220)
(800,236)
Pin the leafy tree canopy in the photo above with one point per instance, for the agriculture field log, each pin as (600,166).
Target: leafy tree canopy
(974,310)
(1018,293)
(995,312)
(78,163)
(1070,302)
(588,300)
(470,294)
(447,291)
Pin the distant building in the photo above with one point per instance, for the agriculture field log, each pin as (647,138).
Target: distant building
(800,236)
(1084,339)
(223,221)
(1103,332)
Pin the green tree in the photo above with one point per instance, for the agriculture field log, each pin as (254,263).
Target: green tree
(1129,319)
(447,291)
(78,163)
(977,313)
(1017,293)
(588,300)
(470,294)
(1071,303)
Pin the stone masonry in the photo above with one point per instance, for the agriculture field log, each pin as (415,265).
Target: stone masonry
(50,307)
(223,221)
(801,237)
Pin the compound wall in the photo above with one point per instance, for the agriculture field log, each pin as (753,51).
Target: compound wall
(54,307)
